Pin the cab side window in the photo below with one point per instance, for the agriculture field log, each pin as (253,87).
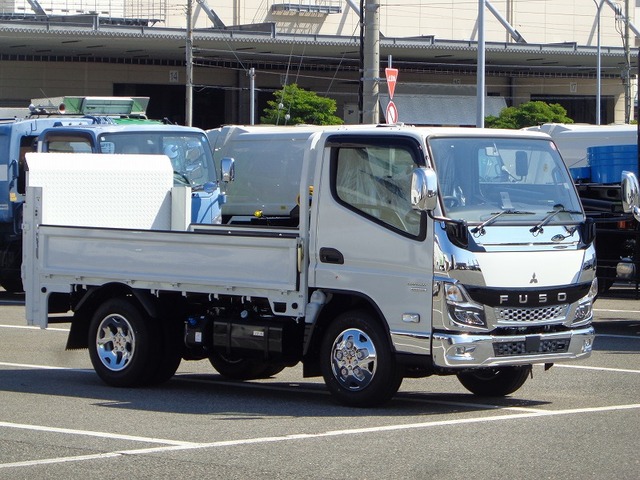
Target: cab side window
(376,182)
(67,144)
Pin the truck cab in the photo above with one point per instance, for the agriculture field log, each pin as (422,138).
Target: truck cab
(187,148)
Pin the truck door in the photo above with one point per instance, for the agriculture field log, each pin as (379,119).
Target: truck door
(369,240)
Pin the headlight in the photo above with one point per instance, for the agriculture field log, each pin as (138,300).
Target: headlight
(462,310)
(584,311)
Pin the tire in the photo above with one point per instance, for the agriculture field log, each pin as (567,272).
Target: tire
(357,363)
(123,347)
(239,368)
(495,382)
(171,353)
(272,369)
(604,284)
(12,285)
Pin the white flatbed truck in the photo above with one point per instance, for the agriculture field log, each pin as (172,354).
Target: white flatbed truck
(423,251)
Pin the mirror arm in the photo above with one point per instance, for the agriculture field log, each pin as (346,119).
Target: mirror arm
(457,230)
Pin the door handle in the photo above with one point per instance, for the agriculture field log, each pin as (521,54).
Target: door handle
(331,255)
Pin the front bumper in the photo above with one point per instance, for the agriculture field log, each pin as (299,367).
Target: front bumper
(470,350)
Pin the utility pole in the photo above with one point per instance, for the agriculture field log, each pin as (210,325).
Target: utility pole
(599,4)
(371,71)
(480,79)
(252,95)
(188,106)
(627,66)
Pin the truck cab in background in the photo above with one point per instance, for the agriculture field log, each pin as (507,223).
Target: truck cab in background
(268,163)
(187,148)
(19,130)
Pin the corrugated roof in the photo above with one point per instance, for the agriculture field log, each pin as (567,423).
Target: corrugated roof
(426,109)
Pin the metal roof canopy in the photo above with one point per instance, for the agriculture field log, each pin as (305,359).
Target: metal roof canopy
(433,109)
(25,40)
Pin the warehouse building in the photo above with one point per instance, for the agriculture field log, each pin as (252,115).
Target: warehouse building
(535,50)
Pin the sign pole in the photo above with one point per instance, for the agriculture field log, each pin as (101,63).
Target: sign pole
(391,114)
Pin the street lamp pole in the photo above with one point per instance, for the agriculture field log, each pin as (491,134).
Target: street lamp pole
(188,109)
(598,66)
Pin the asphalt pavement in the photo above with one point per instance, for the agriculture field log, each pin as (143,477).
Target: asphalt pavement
(58,420)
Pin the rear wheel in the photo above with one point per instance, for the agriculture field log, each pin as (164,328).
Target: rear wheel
(241,368)
(495,382)
(357,363)
(123,347)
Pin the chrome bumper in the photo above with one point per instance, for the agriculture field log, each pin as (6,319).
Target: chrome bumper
(469,350)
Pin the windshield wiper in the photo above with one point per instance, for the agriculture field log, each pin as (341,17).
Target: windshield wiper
(559,208)
(489,221)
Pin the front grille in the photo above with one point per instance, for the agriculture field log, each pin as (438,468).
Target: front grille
(511,315)
(504,349)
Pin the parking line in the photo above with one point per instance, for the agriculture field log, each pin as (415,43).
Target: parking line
(89,433)
(30,327)
(43,367)
(178,445)
(626,337)
(612,310)
(602,369)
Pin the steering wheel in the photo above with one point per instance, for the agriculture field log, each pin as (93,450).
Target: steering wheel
(450,201)
(182,177)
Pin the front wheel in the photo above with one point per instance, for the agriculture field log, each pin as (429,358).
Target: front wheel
(357,363)
(495,382)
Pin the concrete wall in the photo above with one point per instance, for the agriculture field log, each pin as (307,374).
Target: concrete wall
(537,21)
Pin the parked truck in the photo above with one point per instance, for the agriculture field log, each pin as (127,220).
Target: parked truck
(187,147)
(19,130)
(596,156)
(268,164)
(421,251)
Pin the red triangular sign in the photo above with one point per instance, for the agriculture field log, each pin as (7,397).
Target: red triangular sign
(392,77)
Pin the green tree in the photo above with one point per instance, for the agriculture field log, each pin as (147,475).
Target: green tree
(528,114)
(293,105)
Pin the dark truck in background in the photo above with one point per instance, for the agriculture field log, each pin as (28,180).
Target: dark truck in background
(597,156)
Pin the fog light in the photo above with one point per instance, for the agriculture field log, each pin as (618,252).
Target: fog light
(583,312)
(464,350)
(587,345)
(625,269)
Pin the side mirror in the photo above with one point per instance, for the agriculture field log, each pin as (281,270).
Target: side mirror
(631,194)
(522,165)
(424,189)
(228,169)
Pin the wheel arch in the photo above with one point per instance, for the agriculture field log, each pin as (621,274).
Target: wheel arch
(339,301)
(93,298)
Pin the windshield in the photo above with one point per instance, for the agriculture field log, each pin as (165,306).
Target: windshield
(189,153)
(488,181)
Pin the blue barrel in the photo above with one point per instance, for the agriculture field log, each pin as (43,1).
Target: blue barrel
(608,162)
(581,174)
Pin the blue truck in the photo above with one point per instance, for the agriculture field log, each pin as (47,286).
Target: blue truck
(96,125)
(19,130)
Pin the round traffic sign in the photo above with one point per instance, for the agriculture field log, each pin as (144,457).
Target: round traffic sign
(392,113)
